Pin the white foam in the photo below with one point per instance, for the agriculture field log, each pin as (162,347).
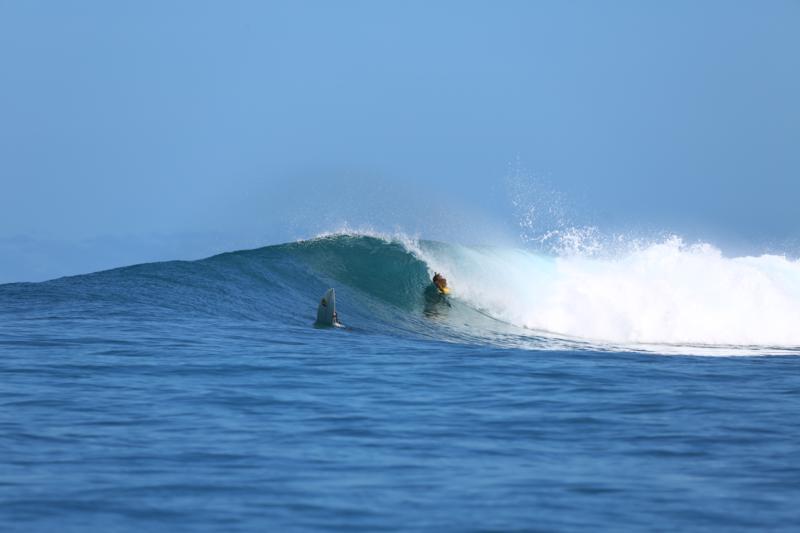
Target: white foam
(667,292)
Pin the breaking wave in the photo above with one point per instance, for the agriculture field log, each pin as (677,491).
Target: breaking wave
(665,297)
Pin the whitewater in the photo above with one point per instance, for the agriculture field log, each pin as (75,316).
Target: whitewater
(617,390)
(663,293)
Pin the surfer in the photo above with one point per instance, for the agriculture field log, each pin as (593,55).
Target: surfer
(436,296)
(441,283)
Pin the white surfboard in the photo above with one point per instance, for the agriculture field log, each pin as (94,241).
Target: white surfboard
(326,312)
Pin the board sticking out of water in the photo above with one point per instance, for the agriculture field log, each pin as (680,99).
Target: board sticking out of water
(326,311)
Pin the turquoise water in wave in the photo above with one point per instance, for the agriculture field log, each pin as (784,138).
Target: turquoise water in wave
(198,396)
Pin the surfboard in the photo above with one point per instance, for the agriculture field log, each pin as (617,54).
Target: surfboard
(326,311)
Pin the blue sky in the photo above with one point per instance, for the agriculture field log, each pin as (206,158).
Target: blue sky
(136,131)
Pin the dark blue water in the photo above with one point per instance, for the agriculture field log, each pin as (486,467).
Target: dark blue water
(198,396)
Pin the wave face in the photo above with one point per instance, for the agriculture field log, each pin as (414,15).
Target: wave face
(660,298)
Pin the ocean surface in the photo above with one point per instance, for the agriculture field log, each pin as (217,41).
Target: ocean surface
(656,390)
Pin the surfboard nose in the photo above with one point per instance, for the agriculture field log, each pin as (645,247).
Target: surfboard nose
(326,311)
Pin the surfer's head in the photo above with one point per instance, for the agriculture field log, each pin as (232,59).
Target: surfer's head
(439,280)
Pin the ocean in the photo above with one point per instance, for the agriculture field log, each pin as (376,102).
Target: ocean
(655,390)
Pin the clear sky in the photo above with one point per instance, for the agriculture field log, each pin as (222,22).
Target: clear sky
(134,131)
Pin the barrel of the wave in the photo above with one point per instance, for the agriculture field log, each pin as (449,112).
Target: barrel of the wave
(326,311)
